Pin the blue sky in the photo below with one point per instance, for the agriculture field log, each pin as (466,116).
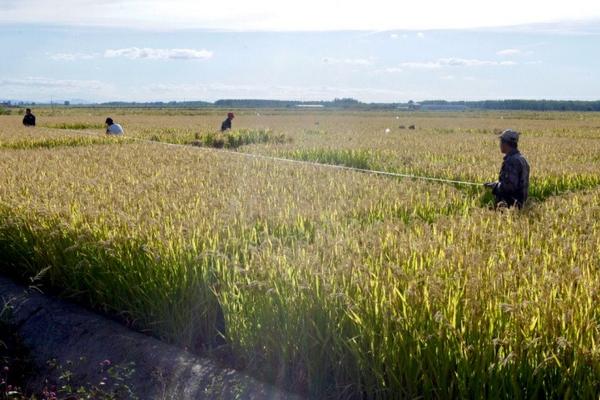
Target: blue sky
(97,54)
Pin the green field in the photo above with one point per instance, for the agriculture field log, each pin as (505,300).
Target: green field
(330,283)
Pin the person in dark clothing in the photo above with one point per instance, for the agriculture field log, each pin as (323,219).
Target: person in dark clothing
(226,125)
(29,118)
(512,187)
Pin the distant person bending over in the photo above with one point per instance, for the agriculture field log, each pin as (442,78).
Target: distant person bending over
(226,125)
(112,128)
(512,187)
(29,118)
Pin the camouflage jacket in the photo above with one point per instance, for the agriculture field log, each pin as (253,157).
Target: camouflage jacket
(513,183)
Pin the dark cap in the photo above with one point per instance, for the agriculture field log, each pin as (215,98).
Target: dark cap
(109,121)
(509,136)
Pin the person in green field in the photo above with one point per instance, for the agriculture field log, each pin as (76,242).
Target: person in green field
(512,187)
(226,125)
(29,118)
(112,128)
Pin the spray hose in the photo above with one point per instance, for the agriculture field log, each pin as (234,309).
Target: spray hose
(300,162)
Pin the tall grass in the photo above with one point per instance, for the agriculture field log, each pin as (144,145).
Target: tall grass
(362,159)
(329,283)
(234,139)
(435,321)
(75,125)
(541,187)
(49,142)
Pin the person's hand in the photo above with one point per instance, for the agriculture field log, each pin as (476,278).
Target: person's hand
(490,185)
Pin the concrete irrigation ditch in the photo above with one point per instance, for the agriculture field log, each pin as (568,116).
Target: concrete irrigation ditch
(54,329)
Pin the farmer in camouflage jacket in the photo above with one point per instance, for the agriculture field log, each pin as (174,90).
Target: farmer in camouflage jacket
(512,187)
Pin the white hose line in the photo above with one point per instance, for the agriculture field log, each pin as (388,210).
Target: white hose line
(292,161)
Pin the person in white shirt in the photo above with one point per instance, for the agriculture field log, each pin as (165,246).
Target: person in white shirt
(112,128)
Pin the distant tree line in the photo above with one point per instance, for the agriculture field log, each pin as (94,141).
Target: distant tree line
(531,105)
(258,103)
(158,104)
(349,103)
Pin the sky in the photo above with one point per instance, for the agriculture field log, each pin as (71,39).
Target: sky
(374,51)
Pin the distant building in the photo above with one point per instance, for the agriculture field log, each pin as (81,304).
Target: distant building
(443,107)
(310,105)
(67,103)
(410,106)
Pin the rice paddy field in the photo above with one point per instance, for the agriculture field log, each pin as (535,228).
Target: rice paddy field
(329,283)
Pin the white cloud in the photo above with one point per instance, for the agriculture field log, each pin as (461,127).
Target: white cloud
(508,52)
(307,15)
(135,53)
(36,88)
(565,26)
(73,56)
(349,61)
(393,70)
(404,36)
(51,83)
(455,62)
(422,65)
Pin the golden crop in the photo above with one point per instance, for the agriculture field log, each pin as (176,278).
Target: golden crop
(330,283)
(13,135)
